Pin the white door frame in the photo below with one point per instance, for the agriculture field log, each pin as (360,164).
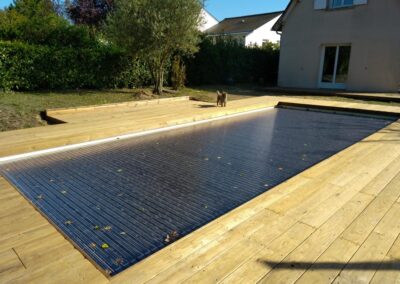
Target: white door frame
(333,85)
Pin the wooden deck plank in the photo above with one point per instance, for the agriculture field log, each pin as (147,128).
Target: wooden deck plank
(389,272)
(378,184)
(199,259)
(326,268)
(28,236)
(234,258)
(38,253)
(71,269)
(394,252)
(368,171)
(252,269)
(367,260)
(312,248)
(366,222)
(324,188)
(10,266)
(24,221)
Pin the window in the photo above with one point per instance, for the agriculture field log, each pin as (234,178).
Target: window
(341,3)
(335,66)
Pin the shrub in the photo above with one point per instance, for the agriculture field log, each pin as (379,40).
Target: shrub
(133,73)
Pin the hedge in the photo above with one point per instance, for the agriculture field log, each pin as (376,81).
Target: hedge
(30,67)
(26,66)
(229,62)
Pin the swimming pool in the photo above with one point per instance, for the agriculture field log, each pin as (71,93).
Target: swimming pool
(122,201)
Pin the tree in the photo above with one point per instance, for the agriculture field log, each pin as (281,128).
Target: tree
(40,22)
(32,21)
(155,30)
(89,12)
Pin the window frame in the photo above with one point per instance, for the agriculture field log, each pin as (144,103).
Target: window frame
(333,84)
(341,6)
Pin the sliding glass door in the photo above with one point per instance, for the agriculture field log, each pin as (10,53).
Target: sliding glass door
(335,66)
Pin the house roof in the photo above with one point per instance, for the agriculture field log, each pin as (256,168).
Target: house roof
(244,24)
(279,24)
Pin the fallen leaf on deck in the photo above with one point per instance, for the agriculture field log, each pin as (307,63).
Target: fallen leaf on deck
(172,237)
(119,261)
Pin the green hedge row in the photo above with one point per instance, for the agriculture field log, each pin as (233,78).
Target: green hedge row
(31,67)
(26,66)
(229,62)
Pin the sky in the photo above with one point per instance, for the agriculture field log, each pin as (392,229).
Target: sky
(232,8)
(229,8)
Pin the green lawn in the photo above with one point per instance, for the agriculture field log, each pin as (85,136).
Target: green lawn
(22,109)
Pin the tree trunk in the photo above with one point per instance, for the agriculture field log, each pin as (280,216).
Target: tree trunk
(159,80)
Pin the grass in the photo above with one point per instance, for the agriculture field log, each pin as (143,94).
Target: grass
(22,109)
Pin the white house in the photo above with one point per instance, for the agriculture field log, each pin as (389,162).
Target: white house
(208,20)
(248,30)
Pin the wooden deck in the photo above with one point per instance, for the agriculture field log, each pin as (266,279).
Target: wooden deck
(336,222)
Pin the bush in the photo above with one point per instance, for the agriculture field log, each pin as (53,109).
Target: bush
(228,62)
(31,67)
(132,74)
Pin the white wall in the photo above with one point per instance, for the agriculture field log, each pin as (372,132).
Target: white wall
(208,21)
(263,33)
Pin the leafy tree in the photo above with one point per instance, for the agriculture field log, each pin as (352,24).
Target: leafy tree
(89,12)
(155,30)
(30,20)
(39,22)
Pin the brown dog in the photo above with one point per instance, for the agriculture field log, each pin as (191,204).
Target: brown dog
(222,99)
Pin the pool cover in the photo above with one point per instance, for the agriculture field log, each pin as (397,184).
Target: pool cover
(122,201)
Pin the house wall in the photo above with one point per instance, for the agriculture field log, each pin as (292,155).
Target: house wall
(263,33)
(207,22)
(373,30)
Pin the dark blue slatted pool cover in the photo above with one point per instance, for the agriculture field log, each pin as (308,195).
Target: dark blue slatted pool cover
(122,201)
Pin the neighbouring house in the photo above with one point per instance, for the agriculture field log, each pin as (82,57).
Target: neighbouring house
(247,30)
(340,44)
(208,20)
